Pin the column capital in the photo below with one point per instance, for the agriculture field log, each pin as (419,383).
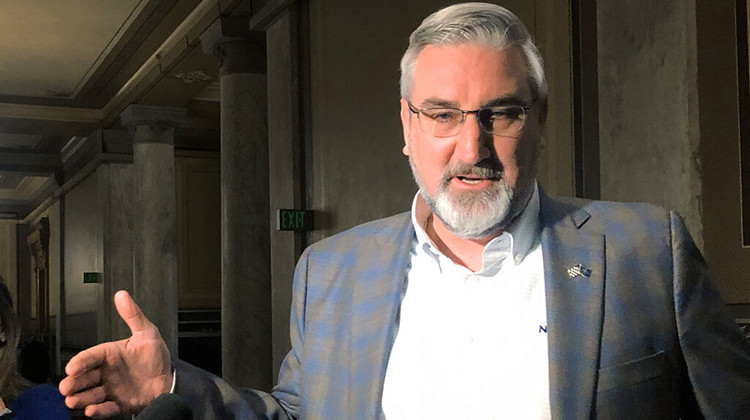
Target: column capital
(157,118)
(238,49)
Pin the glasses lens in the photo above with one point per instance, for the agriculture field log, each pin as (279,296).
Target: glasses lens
(502,121)
(440,122)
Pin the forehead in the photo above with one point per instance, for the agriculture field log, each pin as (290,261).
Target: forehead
(467,73)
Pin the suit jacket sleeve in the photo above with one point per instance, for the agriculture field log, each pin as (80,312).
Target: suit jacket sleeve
(716,354)
(210,397)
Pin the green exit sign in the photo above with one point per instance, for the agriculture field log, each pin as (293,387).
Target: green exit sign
(296,220)
(92,277)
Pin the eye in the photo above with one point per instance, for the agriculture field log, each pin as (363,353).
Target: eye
(442,115)
(512,113)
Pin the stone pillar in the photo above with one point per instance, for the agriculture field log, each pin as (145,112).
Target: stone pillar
(245,246)
(155,254)
(649,133)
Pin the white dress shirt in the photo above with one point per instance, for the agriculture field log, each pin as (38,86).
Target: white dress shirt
(472,345)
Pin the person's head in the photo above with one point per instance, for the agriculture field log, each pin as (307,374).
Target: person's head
(476,170)
(10,334)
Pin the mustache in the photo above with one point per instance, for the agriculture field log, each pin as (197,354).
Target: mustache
(483,169)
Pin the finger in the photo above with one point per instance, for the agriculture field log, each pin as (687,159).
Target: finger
(85,398)
(130,312)
(72,384)
(105,409)
(88,359)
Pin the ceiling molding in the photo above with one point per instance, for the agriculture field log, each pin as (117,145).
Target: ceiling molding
(30,164)
(32,187)
(40,127)
(267,15)
(173,49)
(53,113)
(22,118)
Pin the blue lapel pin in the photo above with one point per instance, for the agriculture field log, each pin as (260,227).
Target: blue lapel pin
(578,270)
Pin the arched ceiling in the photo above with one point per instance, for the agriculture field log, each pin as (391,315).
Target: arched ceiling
(68,68)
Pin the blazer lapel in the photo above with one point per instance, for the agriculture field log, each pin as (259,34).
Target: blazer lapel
(376,301)
(574,307)
(574,312)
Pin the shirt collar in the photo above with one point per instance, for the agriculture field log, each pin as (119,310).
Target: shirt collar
(522,234)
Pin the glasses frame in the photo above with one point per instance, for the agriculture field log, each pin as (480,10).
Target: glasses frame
(419,111)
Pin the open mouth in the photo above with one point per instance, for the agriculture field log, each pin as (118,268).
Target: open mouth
(473,180)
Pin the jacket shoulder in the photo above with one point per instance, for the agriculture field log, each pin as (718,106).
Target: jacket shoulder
(381,231)
(606,208)
(606,216)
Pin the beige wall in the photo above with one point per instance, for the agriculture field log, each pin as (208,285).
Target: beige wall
(97,226)
(553,37)
(8,258)
(55,267)
(198,232)
(83,253)
(719,121)
(52,213)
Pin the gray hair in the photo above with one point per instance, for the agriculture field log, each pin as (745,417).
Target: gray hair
(489,24)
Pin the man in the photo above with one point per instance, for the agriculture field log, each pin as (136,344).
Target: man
(489,299)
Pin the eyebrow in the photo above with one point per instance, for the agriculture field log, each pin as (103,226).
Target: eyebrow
(438,102)
(506,100)
(501,101)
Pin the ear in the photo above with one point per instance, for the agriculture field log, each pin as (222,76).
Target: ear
(405,124)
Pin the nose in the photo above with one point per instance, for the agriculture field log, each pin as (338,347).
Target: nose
(471,142)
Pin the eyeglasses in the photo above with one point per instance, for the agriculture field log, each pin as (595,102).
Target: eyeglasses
(504,121)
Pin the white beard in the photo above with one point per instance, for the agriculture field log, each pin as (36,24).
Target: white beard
(471,214)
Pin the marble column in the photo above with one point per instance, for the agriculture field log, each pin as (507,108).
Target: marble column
(246,273)
(155,253)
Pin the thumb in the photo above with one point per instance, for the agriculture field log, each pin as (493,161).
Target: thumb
(130,312)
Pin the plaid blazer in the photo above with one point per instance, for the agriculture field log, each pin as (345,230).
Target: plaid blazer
(637,331)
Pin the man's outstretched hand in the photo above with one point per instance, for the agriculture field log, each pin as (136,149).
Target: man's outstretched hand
(121,376)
